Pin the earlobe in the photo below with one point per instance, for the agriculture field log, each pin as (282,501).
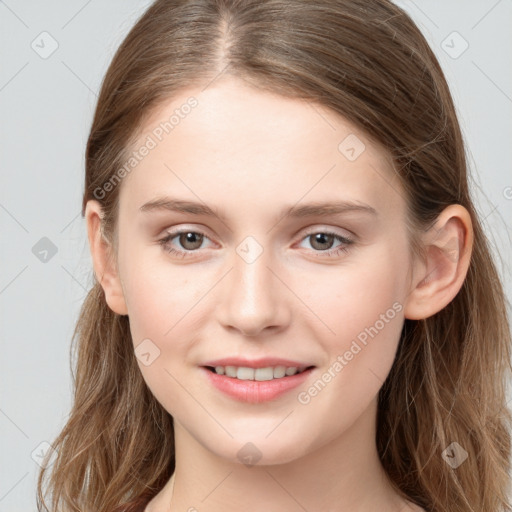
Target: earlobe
(448,246)
(102,254)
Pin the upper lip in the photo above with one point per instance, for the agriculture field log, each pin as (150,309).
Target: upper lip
(264,362)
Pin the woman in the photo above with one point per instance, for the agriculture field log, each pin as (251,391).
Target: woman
(295,305)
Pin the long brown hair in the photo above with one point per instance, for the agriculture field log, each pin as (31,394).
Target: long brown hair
(368,62)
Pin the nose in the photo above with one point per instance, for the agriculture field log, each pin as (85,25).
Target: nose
(254,300)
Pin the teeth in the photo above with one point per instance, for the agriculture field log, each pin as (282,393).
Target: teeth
(259,374)
(263,374)
(279,372)
(245,373)
(230,371)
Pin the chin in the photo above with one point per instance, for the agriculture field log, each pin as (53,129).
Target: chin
(258,451)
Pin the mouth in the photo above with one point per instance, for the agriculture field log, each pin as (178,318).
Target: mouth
(258,374)
(256,385)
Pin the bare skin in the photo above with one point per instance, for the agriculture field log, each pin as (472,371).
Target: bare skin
(248,154)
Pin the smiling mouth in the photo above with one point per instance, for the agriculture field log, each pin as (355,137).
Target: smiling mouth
(257,374)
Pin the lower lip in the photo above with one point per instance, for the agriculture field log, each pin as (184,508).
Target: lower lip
(254,391)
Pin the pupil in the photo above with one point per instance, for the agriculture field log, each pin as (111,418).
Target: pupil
(322,238)
(191,238)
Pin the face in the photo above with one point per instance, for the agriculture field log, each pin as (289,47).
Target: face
(256,275)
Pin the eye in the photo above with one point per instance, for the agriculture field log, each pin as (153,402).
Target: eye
(191,241)
(188,239)
(322,242)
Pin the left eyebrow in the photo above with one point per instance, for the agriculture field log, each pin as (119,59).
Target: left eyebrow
(305,210)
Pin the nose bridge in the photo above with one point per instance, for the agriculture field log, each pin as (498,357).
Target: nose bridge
(253,297)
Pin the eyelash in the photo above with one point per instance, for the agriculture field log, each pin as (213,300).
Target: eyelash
(164,242)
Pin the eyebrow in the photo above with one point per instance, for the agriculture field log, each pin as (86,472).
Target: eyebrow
(296,211)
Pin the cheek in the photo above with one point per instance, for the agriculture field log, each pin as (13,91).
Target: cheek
(164,309)
(356,321)
(159,294)
(362,314)
(365,318)
(354,297)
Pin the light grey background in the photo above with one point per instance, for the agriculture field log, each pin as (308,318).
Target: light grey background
(46,107)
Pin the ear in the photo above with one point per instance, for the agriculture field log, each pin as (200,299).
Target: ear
(438,278)
(103,257)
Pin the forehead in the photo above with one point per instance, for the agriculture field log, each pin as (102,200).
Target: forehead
(237,144)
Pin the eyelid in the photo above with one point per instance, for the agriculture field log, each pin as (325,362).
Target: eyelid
(347,235)
(180,228)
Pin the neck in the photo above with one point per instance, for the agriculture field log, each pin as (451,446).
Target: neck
(342,475)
